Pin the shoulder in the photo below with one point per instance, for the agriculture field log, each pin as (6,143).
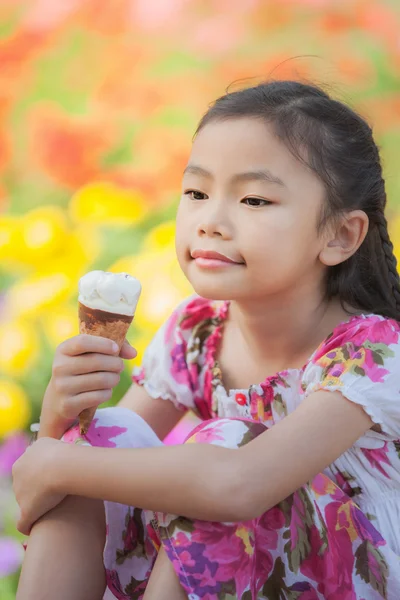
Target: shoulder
(360,359)
(362,332)
(364,346)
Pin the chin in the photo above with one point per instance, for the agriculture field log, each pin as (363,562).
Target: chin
(209,294)
(215,285)
(213,291)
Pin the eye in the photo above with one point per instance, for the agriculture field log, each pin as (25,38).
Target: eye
(256,202)
(195,195)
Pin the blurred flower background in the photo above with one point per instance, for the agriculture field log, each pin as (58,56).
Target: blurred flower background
(98,103)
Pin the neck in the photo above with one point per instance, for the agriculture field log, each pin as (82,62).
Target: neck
(285,331)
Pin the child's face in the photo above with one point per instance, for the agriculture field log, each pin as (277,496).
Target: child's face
(247,197)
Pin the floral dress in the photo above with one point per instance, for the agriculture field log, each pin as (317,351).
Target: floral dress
(336,538)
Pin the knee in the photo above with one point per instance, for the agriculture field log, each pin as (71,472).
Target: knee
(228,433)
(115,427)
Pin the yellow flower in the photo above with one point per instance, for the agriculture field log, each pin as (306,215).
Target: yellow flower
(44,231)
(36,293)
(14,408)
(60,324)
(345,521)
(8,233)
(104,203)
(162,236)
(35,237)
(163,285)
(81,248)
(19,347)
(243,533)
(260,409)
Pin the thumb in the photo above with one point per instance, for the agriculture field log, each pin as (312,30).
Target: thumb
(127,351)
(23,526)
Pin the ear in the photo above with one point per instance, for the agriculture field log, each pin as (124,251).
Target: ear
(345,239)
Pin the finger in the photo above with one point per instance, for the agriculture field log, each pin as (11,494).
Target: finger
(90,400)
(24,526)
(83,343)
(91,382)
(93,362)
(127,351)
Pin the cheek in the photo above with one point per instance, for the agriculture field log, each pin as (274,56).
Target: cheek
(284,243)
(181,237)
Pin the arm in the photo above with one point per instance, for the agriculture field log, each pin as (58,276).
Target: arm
(213,483)
(85,371)
(161,415)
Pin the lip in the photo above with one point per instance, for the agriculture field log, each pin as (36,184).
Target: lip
(212,259)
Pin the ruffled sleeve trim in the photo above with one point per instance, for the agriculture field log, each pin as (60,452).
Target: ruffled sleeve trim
(352,395)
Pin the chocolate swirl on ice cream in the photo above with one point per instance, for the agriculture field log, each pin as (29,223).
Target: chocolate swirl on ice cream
(107,304)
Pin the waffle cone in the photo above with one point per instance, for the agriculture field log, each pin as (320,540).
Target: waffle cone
(113,326)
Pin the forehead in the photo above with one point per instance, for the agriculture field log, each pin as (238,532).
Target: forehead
(228,147)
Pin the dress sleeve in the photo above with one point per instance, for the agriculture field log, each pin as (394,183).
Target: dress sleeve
(362,362)
(164,372)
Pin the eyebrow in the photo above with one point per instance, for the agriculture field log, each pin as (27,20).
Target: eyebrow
(257,175)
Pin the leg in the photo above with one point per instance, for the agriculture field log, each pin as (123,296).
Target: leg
(315,544)
(64,557)
(163,582)
(69,555)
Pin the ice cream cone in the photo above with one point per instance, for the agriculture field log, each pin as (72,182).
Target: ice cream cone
(107,304)
(105,324)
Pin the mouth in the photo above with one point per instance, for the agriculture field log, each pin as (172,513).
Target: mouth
(208,259)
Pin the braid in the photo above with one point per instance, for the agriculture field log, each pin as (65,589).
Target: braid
(390,259)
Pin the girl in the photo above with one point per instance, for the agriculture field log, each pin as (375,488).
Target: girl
(290,488)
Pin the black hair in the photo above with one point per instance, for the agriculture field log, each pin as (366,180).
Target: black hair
(338,145)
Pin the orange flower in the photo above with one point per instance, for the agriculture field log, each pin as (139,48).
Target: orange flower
(355,71)
(383,112)
(5,151)
(111,18)
(18,49)
(69,150)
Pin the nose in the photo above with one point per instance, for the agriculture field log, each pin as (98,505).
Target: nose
(214,227)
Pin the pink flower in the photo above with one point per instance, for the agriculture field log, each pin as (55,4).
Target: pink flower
(268,395)
(72,435)
(179,368)
(344,484)
(11,449)
(266,540)
(226,549)
(378,331)
(196,311)
(375,372)
(182,539)
(96,436)
(203,407)
(334,567)
(377,457)
(114,585)
(358,330)
(207,432)
(134,532)
(365,528)
(102,436)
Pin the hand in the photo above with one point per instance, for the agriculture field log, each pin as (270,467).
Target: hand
(86,368)
(33,481)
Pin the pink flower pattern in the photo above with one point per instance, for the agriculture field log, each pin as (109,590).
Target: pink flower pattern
(317,543)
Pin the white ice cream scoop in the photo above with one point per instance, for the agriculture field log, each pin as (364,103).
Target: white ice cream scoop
(112,292)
